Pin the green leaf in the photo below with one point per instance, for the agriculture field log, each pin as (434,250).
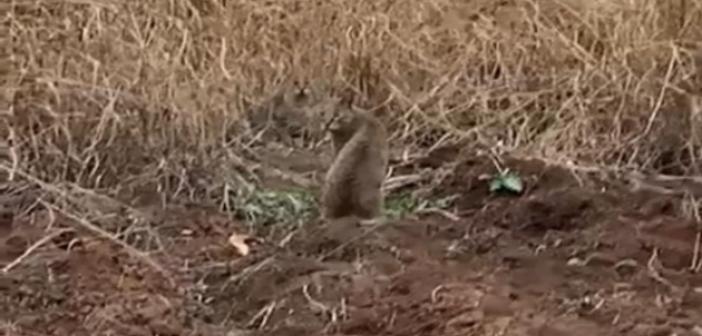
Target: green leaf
(496,184)
(507,182)
(513,183)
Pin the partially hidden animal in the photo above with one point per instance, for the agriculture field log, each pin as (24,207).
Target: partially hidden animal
(287,116)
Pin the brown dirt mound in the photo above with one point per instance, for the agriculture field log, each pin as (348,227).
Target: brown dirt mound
(568,257)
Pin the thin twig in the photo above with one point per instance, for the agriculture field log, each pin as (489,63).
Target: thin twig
(374,224)
(696,259)
(33,248)
(91,227)
(314,303)
(653,272)
(263,314)
(111,237)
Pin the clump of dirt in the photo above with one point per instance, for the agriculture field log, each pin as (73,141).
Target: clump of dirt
(571,255)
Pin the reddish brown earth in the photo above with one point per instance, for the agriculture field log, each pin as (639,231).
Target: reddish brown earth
(572,256)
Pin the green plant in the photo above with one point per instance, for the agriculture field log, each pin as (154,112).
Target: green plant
(507,181)
(402,204)
(266,207)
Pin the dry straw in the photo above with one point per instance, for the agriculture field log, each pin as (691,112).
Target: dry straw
(107,93)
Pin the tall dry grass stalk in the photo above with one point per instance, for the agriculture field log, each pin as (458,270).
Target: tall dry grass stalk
(106,93)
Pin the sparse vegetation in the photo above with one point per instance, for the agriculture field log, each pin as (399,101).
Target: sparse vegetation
(399,205)
(267,207)
(139,104)
(507,181)
(100,91)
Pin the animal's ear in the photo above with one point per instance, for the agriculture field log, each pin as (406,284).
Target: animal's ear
(382,110)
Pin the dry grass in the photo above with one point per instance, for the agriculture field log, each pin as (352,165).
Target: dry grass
(119,94)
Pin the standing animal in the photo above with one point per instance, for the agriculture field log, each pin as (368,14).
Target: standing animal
(353,183)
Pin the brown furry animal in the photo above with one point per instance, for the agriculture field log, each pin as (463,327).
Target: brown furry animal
(680,134)
(341,126)
(352,186)
(287,116)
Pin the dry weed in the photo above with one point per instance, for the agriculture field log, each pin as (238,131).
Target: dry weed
(116,94)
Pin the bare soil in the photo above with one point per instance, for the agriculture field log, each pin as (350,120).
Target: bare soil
(571,256)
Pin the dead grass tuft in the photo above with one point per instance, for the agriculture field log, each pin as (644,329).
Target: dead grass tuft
(115,95)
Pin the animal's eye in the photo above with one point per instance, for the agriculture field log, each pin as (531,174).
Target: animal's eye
(301,95)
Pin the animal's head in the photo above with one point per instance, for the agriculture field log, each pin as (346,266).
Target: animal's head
(294,104)
(299,96)
(343,118)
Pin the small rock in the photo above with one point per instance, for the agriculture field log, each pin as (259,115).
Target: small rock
(576,262)
(600,259)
